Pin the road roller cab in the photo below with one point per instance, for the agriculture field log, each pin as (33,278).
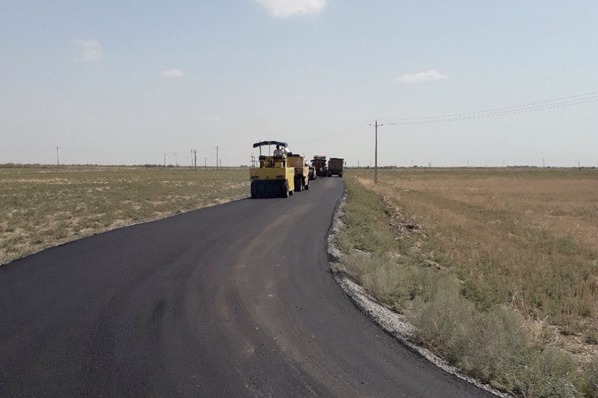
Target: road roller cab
(273,177)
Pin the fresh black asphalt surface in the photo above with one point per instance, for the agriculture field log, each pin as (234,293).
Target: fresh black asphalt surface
(230,301)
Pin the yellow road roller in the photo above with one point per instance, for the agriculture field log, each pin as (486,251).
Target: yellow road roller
(273,177)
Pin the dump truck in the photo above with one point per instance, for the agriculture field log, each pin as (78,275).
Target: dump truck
(335,166)
(273,177)
(301,171)
(319,163)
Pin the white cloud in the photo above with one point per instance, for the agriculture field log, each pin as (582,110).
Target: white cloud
(422,77)
(174,73)
(289,8)
(89,51)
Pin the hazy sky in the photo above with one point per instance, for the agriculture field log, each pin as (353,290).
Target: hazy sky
(125,82)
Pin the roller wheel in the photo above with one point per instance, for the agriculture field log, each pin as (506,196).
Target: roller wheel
(261,190)
(270,192)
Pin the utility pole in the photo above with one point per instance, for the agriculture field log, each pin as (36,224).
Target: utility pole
(217,156)
(164,160)
(376,125)
(57,161)
(193,158)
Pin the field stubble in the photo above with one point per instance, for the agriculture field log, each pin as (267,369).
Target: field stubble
(496,268)
(42,206)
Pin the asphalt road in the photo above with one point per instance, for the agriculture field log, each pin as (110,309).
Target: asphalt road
(234,300)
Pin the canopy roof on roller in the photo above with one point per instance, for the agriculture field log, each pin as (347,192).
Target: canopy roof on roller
(263,143)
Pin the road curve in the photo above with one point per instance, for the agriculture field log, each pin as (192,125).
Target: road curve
(234,300)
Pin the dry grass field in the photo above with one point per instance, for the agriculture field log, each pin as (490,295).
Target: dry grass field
(42,206)
(491,265)
(529,238)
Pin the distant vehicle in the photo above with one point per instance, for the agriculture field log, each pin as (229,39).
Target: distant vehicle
(319,163)
(274,177)
(301,171)
(335,166)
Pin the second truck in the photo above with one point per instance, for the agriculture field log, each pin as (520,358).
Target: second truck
(335,167)
(319,164)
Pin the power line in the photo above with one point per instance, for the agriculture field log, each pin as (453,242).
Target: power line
(324,136)
(561,102)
